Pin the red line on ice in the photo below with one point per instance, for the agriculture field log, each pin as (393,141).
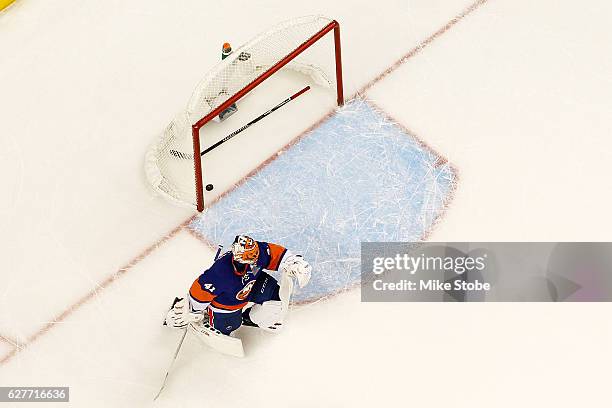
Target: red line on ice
(123,270)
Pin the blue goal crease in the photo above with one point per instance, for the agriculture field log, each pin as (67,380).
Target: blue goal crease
(357,177)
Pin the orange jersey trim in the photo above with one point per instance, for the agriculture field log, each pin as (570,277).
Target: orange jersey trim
(200,294)
(228,307)
(276,254)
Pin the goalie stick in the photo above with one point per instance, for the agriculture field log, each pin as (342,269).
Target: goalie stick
(189,156)
(178,348)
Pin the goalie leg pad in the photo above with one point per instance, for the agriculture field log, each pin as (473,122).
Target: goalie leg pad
(216,340)
(268,316)
(271,302)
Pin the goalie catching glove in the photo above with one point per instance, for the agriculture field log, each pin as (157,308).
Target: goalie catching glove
(295,266)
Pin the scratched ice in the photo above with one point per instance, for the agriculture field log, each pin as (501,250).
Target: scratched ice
(357,177)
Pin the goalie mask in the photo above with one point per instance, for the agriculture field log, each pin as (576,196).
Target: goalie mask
(245,250)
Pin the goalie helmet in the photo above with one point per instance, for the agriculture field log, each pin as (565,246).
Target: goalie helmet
(245,250)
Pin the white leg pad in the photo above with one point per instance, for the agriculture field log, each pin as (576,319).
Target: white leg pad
(285,291)
(270,315)
(216,340)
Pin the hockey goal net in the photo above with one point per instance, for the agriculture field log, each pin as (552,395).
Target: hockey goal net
(300,45)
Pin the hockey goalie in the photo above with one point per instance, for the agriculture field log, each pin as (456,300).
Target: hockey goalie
(236,290)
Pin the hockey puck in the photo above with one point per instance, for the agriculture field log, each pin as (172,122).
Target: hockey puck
(209,187)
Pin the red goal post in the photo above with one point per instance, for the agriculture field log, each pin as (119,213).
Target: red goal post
(228,82)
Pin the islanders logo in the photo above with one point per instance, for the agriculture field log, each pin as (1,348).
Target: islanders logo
(244,293)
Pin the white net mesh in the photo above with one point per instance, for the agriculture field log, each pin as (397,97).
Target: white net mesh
(171,172)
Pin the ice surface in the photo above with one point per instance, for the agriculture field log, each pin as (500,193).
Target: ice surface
(357,177)
(529,134)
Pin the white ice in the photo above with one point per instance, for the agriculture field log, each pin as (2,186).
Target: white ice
(517,95)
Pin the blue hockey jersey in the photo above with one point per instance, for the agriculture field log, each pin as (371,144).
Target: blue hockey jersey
(226,285)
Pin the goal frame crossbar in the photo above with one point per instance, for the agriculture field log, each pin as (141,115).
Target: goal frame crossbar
(195,128)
